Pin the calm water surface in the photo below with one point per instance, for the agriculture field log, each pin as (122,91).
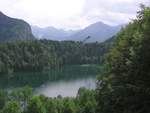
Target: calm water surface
(65,81)
(65,88)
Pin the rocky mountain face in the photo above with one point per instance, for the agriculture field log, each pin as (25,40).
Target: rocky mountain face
(14,29)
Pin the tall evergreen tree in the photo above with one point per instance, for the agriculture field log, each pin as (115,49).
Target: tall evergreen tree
(125,87)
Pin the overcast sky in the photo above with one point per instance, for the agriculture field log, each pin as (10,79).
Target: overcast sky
(71,14)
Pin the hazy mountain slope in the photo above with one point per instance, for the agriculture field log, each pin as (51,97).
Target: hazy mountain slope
(97,32)
(14,29)
(51,33)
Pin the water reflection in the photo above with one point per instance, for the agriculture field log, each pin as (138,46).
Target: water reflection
(64,81)
(65,88)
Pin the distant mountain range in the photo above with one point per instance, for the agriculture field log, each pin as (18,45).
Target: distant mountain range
(14,29)
(51,33)
(96,32)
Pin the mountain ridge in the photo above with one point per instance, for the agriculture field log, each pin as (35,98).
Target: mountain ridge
(17,29)
(97,32)
(14,29)
(51,33)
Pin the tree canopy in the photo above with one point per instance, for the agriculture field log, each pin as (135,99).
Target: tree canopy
(45,54)
(125,86)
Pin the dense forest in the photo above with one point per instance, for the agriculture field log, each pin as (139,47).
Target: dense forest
(123,87)
(39,55)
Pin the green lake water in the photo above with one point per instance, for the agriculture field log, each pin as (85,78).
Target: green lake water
(64,81)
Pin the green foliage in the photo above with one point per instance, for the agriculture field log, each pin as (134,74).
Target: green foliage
(3,98)
(20,102)
(35,106)
(21,94)
(11,107)
(42,55)
(125,87)
(69,106)
(52,106)
(86,100)
(25,56)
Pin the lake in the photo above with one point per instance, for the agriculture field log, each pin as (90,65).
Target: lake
(64,81)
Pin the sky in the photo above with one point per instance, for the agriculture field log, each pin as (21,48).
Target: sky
(72,14)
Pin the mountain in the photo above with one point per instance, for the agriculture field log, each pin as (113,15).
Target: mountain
(96,32)
(51,33)
(14,29)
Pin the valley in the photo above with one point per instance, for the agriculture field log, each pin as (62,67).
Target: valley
(98,69)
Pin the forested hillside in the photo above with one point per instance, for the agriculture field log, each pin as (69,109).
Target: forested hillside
(125,85)
(44,54)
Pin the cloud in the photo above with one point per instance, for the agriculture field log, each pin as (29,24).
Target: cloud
(43,12)
(112,12)
(71,14)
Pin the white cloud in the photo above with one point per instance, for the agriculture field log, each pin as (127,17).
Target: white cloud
(112,11)
(54,8)
(71,14)
(44,12)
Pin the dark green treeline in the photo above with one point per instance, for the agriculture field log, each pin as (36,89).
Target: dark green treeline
(40,55)
(124,87)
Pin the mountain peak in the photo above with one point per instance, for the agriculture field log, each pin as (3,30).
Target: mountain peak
(98,31)
(99,24)
(2,14)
